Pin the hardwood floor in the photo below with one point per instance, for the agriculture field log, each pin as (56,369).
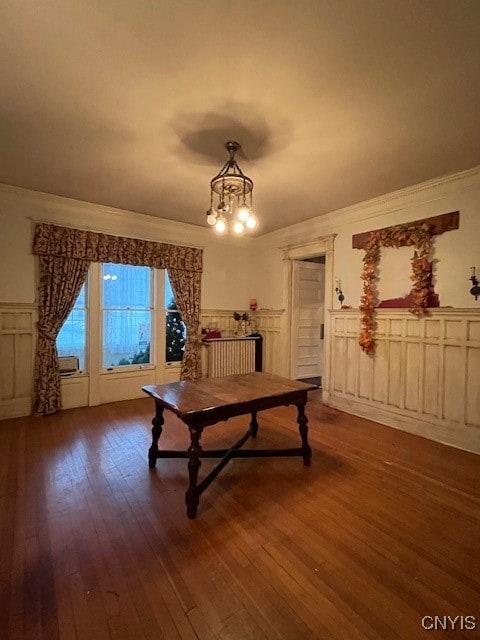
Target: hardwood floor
(382,530)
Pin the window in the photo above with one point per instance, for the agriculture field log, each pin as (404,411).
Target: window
(72,337)
(122,323)
(127,315)
(175,331)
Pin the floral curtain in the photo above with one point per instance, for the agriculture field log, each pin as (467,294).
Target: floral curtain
(60,282)
(52,240)
(186,287)
(65,255)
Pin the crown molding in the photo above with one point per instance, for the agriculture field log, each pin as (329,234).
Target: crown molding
(198,236)
(422,193)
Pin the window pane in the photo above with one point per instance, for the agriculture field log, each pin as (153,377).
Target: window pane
(71,340)
(126,337)
(127,315)
(125,287)
(169,297)
(80,301)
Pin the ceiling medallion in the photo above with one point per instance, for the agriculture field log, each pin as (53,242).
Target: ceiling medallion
(231,197)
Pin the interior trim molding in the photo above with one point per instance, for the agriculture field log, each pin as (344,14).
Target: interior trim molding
(393,202)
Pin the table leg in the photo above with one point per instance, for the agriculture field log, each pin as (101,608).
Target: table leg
(192,497)
(254,425)
(303,429)
(157,423)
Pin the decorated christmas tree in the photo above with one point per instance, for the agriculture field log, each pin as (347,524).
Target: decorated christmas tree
(175,342)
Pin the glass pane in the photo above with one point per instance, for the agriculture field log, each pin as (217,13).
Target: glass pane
(80,301)
(126,338)
(176,334)
(71,338)
(125,287)
(169,297)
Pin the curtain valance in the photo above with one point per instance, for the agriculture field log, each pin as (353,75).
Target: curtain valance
(64,242)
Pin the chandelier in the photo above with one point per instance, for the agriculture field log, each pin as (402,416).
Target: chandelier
(232,191)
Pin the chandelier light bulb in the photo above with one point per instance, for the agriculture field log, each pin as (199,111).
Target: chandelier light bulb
(220,225)
(238,226)
(211,217)
(251,222)
(243,213)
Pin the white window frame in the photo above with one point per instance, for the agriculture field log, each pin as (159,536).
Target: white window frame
(153,342)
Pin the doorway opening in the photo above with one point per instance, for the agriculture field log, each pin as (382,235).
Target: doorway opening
(318,252)
(308,317)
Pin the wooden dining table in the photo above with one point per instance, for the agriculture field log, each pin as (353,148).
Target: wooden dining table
(207,401)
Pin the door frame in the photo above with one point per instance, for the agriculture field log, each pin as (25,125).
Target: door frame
(323,245)
(294,339)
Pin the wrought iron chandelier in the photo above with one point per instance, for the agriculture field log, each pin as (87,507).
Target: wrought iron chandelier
(232,190)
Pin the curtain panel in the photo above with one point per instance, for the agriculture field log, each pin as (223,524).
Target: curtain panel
(60,282)
(65,256)
(186,289)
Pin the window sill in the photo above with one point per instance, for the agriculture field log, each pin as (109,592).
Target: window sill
(128,369)
(173,365)
(72,377)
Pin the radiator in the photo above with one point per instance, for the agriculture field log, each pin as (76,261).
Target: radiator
(229,356)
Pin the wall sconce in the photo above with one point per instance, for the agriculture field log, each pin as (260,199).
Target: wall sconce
(475,290)
(338,290)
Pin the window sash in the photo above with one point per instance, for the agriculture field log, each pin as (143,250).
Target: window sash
(129,343)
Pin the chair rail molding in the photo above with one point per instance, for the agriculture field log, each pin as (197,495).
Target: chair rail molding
(423,378)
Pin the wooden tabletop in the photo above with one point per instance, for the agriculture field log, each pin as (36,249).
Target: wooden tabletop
(196,396)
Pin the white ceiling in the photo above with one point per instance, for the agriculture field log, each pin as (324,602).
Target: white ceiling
(128,103)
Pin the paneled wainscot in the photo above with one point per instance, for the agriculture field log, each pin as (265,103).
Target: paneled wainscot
(17,344)
(17,350)
(424,377)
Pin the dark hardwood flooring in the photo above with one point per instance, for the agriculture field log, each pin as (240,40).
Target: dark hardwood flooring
(382,530)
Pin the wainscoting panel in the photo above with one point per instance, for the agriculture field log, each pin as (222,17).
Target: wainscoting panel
(424,377)
(17,343)
(17,352)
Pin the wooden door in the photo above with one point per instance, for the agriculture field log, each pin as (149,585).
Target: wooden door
(308,297)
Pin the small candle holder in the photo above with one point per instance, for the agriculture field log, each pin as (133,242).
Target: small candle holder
(475,290)
(338,290)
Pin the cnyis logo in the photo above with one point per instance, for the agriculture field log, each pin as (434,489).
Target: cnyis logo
(451,623)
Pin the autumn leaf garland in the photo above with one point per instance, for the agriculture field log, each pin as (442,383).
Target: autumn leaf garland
(418,236)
